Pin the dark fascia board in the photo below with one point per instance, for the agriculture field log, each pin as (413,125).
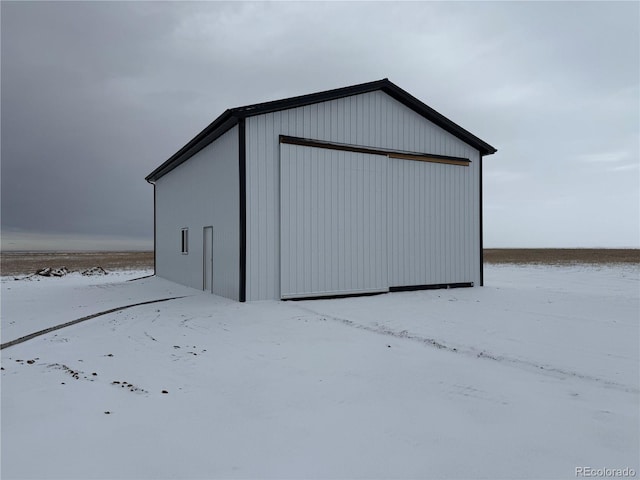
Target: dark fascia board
(231,117)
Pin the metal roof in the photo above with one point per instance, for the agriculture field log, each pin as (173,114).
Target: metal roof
(231,117)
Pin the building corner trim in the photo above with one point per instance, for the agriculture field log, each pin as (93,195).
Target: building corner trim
(155,230)
(242,170)
(481,230)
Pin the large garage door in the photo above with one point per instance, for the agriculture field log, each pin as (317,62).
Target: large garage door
(333,219)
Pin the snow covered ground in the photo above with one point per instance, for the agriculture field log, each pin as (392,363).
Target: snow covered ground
(529,377)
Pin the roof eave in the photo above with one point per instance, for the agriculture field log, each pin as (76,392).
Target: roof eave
(214,130)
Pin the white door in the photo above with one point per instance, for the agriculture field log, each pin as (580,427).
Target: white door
(207,259)
(333,218)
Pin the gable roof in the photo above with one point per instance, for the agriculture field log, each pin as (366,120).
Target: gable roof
(231,117)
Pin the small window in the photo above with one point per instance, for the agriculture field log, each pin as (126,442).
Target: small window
(185,241)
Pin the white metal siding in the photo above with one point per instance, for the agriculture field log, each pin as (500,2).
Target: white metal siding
(202,191)
(333,222)
(373,119)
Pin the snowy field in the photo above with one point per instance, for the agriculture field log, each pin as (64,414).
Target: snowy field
(529,377)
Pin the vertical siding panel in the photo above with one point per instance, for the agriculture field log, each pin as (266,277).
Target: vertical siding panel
(409,202)
(285,205)
(308,181)
(405,228)
(390,220)
(384,131)
(360,246)
(446,236)
(367,236)
(353,112)
(338,196)
(255,220)
(339,122)
(270,205)
(440,253)
(342,220)
(315,218)
(252,214)
(274,263)
(334,120)
(262,195)
(350,218)
(422,220)
(328,124)
(298,232)
(378,121)
(359,137)
(321,223)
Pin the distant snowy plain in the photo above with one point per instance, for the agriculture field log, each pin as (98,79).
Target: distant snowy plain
(532,376)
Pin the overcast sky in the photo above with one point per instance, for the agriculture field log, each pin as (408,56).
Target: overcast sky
(95,95)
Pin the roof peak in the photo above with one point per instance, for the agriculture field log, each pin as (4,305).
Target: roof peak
(307,99)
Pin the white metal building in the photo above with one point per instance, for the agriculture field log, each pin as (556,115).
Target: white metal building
(357,190)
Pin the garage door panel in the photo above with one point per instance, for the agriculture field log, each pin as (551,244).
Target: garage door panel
(333,222)
(429,239)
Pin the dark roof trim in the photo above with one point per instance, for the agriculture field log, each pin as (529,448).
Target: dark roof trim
(481,234)
(231,117)
(217,128)
(425,157)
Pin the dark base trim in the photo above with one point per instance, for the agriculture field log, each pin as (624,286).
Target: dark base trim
(408,288)
(333,297)
(435,286)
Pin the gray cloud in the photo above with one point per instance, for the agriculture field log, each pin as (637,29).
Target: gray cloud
(96,94)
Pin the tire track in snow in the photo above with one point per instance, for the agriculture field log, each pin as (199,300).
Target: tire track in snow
(83,319)
(471,352)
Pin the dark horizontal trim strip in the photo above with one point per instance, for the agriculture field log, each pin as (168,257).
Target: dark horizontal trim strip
(430,158)
(407,288)
(411,288)
(422,157)
(333,297)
